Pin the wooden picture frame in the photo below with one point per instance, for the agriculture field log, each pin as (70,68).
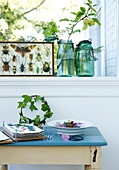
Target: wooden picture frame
(26,58)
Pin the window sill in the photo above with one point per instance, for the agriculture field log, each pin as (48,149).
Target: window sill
(59,81)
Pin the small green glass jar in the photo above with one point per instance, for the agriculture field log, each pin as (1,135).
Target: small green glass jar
(65,59)
(84,59)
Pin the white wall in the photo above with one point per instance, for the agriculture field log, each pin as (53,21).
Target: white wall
(92,99)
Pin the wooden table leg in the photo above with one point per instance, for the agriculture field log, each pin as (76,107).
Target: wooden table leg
(95,159)
(3,167)
(87,167)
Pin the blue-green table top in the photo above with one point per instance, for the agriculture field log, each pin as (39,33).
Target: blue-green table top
(91,137)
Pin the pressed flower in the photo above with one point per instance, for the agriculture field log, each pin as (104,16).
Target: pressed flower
(65,137)
(69,124)
(58,124)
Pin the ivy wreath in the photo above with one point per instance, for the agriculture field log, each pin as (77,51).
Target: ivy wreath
(31,100)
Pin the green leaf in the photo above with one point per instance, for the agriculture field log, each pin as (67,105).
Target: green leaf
(88,5)
(37,98)
(77,31)
(65,19)
(97,21)
(44,107)
(93,9)
(24,118)
(85,26)
(27,98)
(98,49)
(83,9)
(80,13)
(90,2)
(42,98)
(37,119)
(72,21)
(94,5)
(77,18)
(30,121)
(24,96)
(73,13)
(21,104)
(32,106)
(91,14)
(48,114)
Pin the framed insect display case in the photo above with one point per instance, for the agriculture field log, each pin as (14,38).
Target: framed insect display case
(26,58)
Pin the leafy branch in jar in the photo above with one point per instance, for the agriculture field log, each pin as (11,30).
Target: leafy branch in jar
(88,16)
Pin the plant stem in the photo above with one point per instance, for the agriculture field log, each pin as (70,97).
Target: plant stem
(81,19)
(33,8)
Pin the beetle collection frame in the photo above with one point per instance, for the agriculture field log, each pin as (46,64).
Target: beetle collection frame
(26,58)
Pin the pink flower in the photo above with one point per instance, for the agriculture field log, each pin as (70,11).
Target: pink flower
(65,137)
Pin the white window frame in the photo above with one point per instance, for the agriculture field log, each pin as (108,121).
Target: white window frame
(103,42)
(117,33)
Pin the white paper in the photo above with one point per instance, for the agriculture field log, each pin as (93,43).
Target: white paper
(3,136)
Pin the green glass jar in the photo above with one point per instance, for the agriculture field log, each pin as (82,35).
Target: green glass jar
(65,59)
(84,59)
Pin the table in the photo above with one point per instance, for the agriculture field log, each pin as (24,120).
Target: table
(86,152)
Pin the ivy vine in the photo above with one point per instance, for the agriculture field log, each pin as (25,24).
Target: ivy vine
(31,100)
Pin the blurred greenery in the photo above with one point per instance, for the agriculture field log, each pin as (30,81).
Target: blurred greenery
(13,17)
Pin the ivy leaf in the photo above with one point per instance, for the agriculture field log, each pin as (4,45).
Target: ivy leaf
(37,119)
(37,98)
(25,118)
(73,13)
(27,98)
(42,98)
(21,104)
(65,19)
(83,9)
(85,26)
(97,21)
(48,114)
(32,106)
(30,121)
(44,107)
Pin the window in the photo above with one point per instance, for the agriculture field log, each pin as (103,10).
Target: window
(107,36)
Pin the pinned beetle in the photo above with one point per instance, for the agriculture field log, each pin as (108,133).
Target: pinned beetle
(6,66)
(5,50)
(22,68)
(46,67)
(14,69)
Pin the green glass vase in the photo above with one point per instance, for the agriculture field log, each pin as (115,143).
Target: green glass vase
(65,59)
(85,59)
